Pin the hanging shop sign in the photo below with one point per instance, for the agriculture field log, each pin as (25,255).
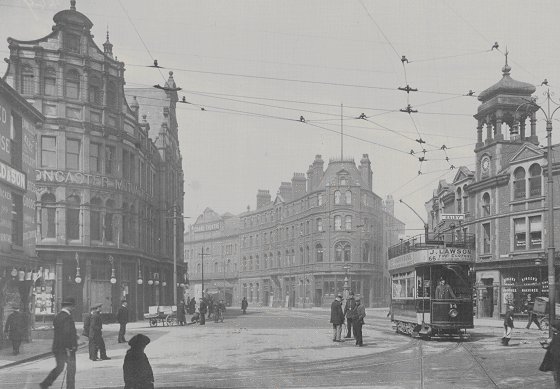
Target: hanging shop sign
(452,216)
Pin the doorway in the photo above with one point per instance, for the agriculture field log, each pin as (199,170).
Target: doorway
(101,294)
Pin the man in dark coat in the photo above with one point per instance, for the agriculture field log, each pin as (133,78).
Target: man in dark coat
(531,316)
(337,318)
(122,318)
(348,312)
(89,334)
(15,328)
(96,333)
(444,291)
(202,309)
(181,317)
(508,325)
(137,371)
(65,344)
(358,321)
(244,305)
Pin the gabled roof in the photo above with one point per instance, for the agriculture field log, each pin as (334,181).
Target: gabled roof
(462,174)
(527,152)
(337,167)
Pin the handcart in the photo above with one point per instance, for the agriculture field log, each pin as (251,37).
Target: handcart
(541,309)
(165,314)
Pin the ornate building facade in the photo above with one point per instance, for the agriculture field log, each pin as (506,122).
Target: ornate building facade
(321,235)
(104,187)
(503,200)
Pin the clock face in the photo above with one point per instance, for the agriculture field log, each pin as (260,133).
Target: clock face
(485,164)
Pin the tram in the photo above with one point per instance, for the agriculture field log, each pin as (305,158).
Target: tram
(432,285)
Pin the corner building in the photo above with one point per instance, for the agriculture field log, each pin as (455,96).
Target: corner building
(503,200)
(103,217)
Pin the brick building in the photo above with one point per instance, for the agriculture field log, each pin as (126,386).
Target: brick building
(503,200)
(19,122)
(299,248)
(104,187)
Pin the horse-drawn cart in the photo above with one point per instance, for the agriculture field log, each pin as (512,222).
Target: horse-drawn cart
(166,314)
(541,309)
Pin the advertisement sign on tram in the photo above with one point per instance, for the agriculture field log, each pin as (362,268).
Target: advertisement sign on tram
(430,256)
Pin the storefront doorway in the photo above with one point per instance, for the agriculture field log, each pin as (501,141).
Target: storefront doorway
(101,294)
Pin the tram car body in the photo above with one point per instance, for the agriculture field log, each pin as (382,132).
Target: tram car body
(421,306)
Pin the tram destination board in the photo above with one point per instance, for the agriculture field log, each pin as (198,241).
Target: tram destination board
(430,256)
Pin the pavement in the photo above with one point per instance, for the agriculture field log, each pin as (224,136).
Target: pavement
(40,348)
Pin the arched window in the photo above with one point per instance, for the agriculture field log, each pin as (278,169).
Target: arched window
(348,196)
(49,82)
(95,219)
(48,216)
(535,180)
(348,222)
(486,204)
(318,252)
(337,223)
(73,217)
(459,199)
(27,80)
(337,197)
(519,190)
(95,96)
(72,84)
(111,95)
(108,224)
(342,251)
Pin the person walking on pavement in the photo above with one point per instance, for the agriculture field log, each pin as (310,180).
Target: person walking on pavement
(15,328)
(244,305)
(181,317)
(137,370)
(508,325)
(337,318)
(202,309)
(87,333)
(358,321)
(65,344)
(122,318)
(531,316)
(349,312)
(95,332)
(192,306)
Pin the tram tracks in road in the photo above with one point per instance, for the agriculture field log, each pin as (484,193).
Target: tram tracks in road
(479,363)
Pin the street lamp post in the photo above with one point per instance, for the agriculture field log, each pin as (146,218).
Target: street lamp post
(550,191)
(175,217)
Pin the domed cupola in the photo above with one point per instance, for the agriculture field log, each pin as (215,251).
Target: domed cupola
(506,103)
(72,18)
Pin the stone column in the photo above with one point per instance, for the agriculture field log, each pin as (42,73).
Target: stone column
(488,132)
(498,128)
(479,142)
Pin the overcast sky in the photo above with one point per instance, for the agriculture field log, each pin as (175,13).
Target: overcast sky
(257,66)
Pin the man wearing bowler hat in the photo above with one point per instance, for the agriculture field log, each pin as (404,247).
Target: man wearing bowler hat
(358,321)
(15,328)
(65,344)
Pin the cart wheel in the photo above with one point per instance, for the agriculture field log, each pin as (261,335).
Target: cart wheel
(169,320)
(544,323)
(153,322)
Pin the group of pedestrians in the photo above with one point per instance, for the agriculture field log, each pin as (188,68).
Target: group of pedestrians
(137,372)
(354,312)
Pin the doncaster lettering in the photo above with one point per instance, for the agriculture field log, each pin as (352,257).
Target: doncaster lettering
(89,180)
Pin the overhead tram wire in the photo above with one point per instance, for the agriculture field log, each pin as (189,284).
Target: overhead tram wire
(140,37)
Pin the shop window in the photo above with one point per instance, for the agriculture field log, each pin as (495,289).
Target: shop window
(94,160)
(48,151)
(486,238)
(486,204)
(337,223)
(348,222)
(48,216)
(27,81)
(520,234)
(535,232)
(72,154)
(95,219)
(519,190)
(108,222)
(95,96)
(72,84)
(535,180)
(73,218)
(337,197)
(348,197)
(17,219)
(49,82)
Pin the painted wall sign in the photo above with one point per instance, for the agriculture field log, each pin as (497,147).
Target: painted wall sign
(80,178)
(12,176)
(5,124)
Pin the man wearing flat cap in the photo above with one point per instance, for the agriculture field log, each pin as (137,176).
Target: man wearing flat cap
(95,332)
(65,344)
(337,318)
